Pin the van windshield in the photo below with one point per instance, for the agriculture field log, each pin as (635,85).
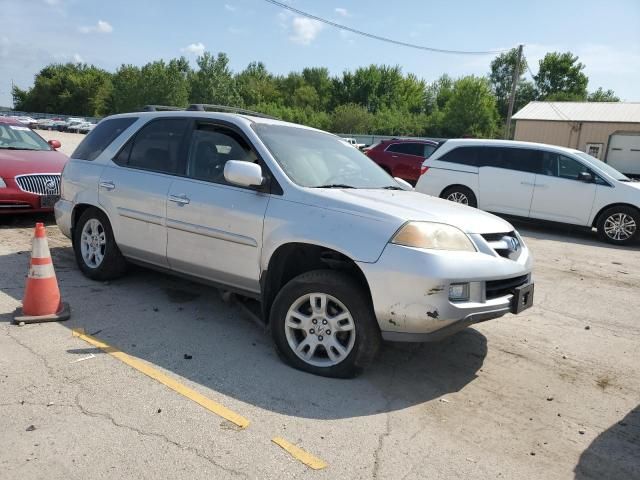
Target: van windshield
(605,167)
(316,159)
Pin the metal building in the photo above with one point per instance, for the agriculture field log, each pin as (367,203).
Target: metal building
(609,131)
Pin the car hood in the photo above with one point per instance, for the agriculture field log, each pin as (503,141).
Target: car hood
(20,162)
(405,206)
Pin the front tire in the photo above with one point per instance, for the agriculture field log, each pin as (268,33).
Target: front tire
(97,253)
(322,322)
(460,194)
(619,225)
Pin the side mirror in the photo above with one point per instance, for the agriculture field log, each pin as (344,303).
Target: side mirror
(403,184)
(585,177)
(55,144)
(244,174)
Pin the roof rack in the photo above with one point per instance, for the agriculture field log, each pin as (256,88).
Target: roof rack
(206,107)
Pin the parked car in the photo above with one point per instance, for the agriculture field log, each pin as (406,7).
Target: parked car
(30,169)
(338,254)
(84,127)
(354,142)
(402,157)
(538,181)
(27,121)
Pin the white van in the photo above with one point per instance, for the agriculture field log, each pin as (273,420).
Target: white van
(535,180)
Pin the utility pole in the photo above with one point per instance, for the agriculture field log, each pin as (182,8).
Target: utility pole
(512,97)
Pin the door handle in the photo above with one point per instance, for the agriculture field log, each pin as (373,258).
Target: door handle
(107,185)
(179,199)
(527,183)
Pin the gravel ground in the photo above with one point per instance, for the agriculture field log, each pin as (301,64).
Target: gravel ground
(551,393)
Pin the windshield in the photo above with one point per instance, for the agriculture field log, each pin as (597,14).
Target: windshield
(605,167)
(317,159)
(17,137)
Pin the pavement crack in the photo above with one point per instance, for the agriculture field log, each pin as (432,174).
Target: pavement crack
(160,436)
(387,427)
(42,358)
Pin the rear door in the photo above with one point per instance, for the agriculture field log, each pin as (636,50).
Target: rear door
(406,160)
(506,179)
(214,228)
(558,195)
(134,188)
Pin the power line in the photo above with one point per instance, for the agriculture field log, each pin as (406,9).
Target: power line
(382,39)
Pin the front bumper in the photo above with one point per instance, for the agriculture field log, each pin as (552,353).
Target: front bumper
(410,290)
(13,200)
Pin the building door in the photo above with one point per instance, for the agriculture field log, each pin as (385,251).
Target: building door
(624,152)
(595,150)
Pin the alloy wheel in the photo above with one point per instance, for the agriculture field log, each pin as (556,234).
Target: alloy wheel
(620,226)
(320,330)
(458,197)
(93,243)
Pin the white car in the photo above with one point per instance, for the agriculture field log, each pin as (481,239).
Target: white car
(538,181)
(353,142)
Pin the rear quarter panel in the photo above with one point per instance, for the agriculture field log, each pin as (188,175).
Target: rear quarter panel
(444,174)
(80,181)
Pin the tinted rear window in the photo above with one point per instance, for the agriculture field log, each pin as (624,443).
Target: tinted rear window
(463,156)
(416,149)
(101,137)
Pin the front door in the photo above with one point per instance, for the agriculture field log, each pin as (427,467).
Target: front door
(133,189)
(215,229)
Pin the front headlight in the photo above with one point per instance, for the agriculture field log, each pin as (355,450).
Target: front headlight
(437,236)
(2,184)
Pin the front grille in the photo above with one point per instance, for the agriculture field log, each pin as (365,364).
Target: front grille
(41,184)
(506,245)
(500,288)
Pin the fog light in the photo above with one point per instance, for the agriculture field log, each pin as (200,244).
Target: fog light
(459,292)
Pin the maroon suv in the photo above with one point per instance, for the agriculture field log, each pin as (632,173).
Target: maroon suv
(402,157)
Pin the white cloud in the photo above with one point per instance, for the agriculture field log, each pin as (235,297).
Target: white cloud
(196,49)
(101,27)
(77,58)
(229,8)
(343,12)
(305,30)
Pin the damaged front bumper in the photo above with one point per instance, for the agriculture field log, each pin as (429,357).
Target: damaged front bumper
(410,290)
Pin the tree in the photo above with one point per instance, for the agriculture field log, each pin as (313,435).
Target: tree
(471,109)
(351,118)
(560,77)
(213,82)
(72,88)
(601,95)
(256,85)
(501,78)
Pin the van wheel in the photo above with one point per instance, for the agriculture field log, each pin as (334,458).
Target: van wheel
(322,322)
(97,253)
(460,194)
(619,225)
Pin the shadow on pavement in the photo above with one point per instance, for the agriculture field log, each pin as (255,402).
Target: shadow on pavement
(615,453)
(162,319)
(563,233)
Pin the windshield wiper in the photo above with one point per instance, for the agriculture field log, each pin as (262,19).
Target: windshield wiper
(17,148)
(335,185)
(392,187)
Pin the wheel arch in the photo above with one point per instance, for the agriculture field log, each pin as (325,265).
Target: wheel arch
(597,217)
(448,187)
(294,258)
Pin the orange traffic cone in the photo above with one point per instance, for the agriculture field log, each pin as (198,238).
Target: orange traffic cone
(41,301)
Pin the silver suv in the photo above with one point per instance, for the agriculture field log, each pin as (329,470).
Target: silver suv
(339,254)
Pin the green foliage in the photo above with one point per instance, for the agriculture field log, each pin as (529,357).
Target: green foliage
(601,95)
(377,99)
(471,109)
(561,77)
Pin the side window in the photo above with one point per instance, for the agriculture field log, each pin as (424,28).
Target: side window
(570,168)
(521,159)
(407,149)
(156,146)
(463,156)
(101,137)
(549,164)
(492,157)
(210,148)
(428,150)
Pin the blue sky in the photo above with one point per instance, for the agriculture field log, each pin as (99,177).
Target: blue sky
(605,35)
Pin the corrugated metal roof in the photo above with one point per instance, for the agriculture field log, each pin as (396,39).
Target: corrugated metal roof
(628,112)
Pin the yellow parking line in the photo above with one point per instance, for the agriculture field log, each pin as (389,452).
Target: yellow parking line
(299,454)
(174,385)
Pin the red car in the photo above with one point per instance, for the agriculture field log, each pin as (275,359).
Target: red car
(30,169)
(402,157)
